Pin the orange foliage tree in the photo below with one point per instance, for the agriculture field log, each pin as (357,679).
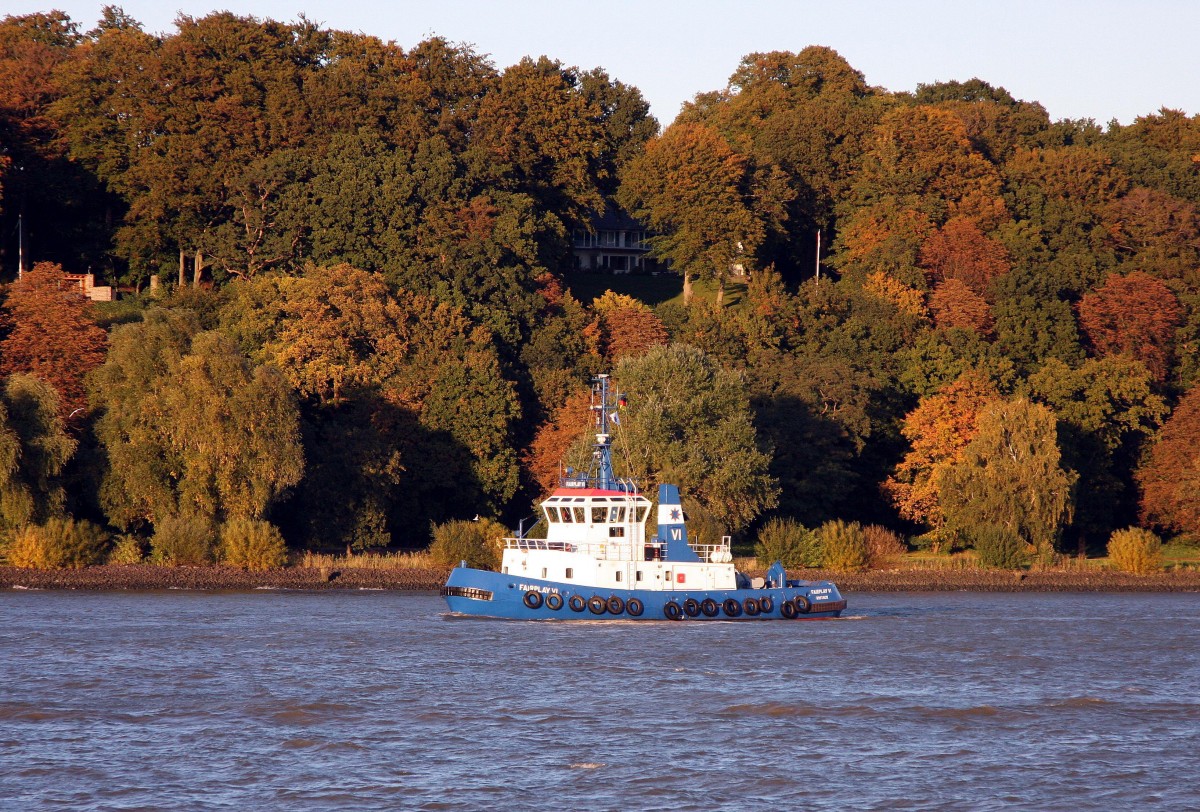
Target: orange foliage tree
(938,429)
(1134,315)
(960,250)
(1170,478)
(954,304)
(53,335)
(629,327)
(556,436)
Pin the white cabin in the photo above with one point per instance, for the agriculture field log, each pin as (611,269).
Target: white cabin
(597,538)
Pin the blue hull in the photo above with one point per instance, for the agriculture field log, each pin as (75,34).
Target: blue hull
(491,594)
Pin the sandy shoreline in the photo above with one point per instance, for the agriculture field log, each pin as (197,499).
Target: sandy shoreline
(146,577)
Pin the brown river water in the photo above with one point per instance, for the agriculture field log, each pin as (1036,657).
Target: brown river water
(377,700)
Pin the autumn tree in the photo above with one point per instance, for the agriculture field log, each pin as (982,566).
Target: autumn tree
(34,449)
(52,336)
(955,305)
(694,191)
(960,250)
(629,327)
(1170,477)
(939,430)
(556,437)
(689,422)
(1010,476)
(1135,315)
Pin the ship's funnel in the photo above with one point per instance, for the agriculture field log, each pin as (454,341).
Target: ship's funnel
(671,528)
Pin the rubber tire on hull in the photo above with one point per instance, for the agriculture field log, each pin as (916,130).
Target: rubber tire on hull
(732,607)
(597,605)
(577,603)
(554,601)
(766,604)
(533,599)
(803,604)
(788,609)
(634,607)
(751,607)
(691,607)
(672,611)
(709,607)
(615,605)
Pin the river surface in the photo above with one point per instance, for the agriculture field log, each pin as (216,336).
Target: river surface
(378,700)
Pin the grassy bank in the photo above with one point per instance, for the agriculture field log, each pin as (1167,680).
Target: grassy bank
(375,572)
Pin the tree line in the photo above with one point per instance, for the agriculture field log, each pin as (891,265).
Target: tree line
(957,318)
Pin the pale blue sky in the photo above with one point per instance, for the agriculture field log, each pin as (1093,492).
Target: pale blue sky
(1098,59)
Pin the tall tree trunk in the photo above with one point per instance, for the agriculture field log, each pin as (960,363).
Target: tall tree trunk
(182,265)
(197,268)
(687,288)
(720,291)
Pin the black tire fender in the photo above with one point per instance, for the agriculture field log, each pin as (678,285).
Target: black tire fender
(533,599)
(634,607)
(554,601)
(672,611)
(732,607)
(788,609)
(576,603)
(615,605)
(803,604)
(691,607)
(751,606)
(597,605)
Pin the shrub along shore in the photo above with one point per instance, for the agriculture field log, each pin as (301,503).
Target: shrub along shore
(151,577)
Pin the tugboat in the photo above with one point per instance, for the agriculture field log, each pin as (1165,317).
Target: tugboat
(595,563)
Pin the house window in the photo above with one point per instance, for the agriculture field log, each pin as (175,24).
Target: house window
(620,576)
(598,515)
(566,515)
(579,516)
(552,514)
(505,570)
(570,572)
(638,576)
(543,572)
(616,532)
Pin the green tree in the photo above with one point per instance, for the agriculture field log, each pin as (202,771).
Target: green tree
(689,423)
(34,449)
(1010,476)
(190,425)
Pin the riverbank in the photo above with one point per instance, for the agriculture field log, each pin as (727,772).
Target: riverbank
(148,577)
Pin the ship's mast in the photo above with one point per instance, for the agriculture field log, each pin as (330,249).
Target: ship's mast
(603,404)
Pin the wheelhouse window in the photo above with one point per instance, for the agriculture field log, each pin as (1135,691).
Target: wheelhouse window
(599,514)
(616,532)
(570,573)
(552,514)
(641,512)
(580,518)
(566,515)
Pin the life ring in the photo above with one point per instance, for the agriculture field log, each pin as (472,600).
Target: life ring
(554,601)
(597,605)
(691,607)
(732,607)
(788,609)
(766,604)
(709,607)
(751,606)
(634,607)
(615,605)
(533,599)
(577,603)
(803,605)
(672,611)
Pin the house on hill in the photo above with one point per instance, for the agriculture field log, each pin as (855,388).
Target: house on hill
(615,242)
